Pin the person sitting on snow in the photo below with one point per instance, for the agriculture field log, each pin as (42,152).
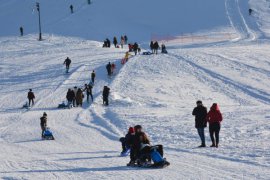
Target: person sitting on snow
(163,49)
(127,140)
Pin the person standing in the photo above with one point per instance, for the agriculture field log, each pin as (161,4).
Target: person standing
(75,89)
(109,69)
(67,62)
(126,39)
(200,113)
(115,42)
(88,90)
(156,47)
(79,97)
(214,118)
(135,48)
(152,46)
(113,68)
(43,124)
(122,42)
(106,92)
(21,30)
(31,97)
(71,8)
(70,96)
(93,76)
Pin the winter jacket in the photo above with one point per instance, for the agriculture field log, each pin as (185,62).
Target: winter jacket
(70,95)
(155,46)
(151,45)
(31,95)
(79,96)
(200,113)
(115,40)
(135,47)
(43,121)
(106,92)
(130,139)
(214,115)
(67,62)
(93,75)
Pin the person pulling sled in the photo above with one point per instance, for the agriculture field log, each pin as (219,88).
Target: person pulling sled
(46,133)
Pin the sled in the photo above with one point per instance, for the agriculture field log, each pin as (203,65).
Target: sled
(150,165)
(147,53)
(26,106)
(65,106)
(47,134)
(125,153)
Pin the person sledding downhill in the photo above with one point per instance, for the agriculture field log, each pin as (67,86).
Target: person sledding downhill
(127,142)
(214,118)
(125,59)
(144,152)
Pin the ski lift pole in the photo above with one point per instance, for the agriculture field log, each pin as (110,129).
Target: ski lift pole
(39,23)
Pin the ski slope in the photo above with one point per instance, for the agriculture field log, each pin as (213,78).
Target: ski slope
(157,91)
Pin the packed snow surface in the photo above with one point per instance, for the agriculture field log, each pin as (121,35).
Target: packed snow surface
(157,91)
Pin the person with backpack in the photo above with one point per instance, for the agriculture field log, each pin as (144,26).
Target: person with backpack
(67,62)
(93,76)
(214,118)
(109,69)
(88,89)
(115,42)
(105,94)
(70,96)
(79,97)
(31,97)
(43,124)
(200,113)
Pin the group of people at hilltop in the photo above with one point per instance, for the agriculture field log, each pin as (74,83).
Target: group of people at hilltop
(213,117)
(123,41)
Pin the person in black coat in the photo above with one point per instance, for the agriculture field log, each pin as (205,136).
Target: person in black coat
(31,97)
(109,69)
(156,47)
(71,9)
(115,42)
(67,62)
(105,94)
(152,46)
(21,30)
(93,76)
(88,90)
(70,96)
(135,48)
(43,123)
(108,42)
(200,113)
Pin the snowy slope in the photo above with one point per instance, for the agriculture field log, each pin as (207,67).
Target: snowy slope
(158,92)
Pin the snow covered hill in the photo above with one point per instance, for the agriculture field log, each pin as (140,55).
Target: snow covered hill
(157,91)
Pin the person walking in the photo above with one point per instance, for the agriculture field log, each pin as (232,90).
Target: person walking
(43,124)
(115,42)
(88,90)
(214,118)
(67,62)
(93,76)
(105,93)
(31,97)
(109,69)
(135,48)
(200,113)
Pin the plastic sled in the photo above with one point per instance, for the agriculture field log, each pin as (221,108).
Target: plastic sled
(125,153)
(47,135)
(147,53)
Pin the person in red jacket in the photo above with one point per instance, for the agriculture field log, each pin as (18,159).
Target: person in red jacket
(214,117)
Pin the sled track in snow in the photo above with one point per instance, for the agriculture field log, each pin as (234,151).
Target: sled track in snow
(238,21)
(228,85)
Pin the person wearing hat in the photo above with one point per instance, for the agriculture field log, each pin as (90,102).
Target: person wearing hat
(31,97)
(200,113)
(43,123)
(127,140)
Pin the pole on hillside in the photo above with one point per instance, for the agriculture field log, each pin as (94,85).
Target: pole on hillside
(39,23)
